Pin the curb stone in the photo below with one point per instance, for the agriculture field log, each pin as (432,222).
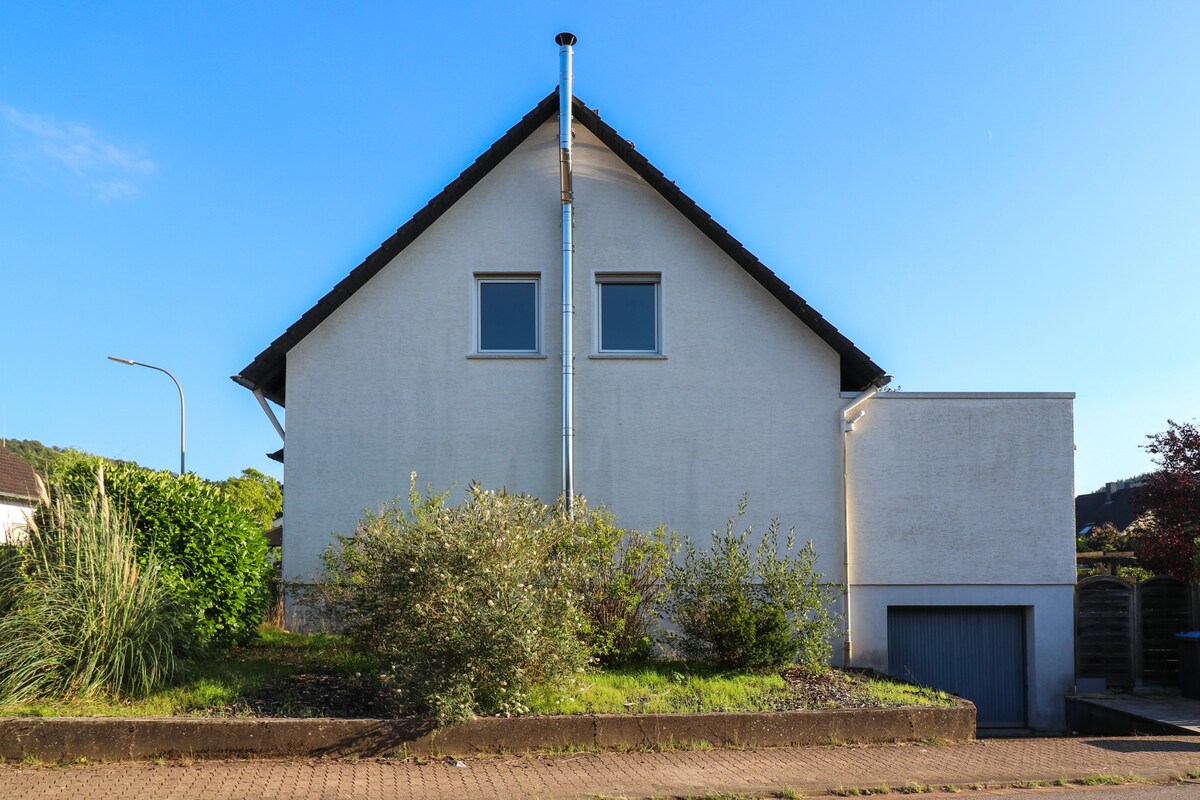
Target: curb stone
(53,739)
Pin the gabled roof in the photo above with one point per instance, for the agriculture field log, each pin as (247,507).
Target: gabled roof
(268,370)
(17,479)
(1118,507)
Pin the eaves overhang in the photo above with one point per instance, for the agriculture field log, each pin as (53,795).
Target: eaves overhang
(268,371)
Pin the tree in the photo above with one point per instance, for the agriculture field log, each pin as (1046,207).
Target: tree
(1171,498)
(257,493)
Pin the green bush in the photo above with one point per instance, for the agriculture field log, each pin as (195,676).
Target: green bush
(211,551)
(82,613)
(740,609)
(621,586)
(469,606)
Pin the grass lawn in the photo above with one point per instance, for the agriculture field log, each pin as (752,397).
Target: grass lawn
(297,675)
(279,674)
(674,687)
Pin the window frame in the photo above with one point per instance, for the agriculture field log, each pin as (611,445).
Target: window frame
(602,278)
(481,278)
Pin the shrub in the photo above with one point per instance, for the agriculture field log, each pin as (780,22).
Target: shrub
(10,566)
(738,609)
(469,606)
(211,552)
(84,614)
(1104,538)
(621,586)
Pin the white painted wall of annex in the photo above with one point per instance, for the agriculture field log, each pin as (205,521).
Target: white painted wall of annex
(967,499)
(963,489)
(745,400)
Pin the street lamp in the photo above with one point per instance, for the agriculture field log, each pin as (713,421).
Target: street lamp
(182,423)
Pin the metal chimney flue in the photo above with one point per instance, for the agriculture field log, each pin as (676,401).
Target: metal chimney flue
(565,96)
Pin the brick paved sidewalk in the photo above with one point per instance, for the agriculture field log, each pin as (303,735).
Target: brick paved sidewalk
(673,774)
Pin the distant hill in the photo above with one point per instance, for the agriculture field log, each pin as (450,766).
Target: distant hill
(34,453)
(42,456)
(261,494)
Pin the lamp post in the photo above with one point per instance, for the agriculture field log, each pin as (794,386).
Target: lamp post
(182,418)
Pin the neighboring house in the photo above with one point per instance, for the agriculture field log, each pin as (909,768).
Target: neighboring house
(19,492)
(699,376)
(1114,505)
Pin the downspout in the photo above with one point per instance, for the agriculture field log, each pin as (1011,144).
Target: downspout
(262,401)
(846,425)
(565,80)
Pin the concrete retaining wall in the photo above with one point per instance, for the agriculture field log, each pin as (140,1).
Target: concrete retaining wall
(60,739)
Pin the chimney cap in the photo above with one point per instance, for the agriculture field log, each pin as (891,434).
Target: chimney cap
(565,38)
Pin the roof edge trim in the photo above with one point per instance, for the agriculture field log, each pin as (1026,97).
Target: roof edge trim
(267,372)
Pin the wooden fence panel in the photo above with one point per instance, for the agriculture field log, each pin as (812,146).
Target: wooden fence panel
(1164,610)
(1104,630)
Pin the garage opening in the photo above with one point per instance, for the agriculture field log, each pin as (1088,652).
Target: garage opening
(976,652)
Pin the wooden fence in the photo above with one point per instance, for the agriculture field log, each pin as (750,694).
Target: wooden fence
(1125,633)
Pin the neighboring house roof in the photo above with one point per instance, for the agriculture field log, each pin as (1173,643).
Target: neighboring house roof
(268,370)
(275,533)
(1113,505)
(17,479)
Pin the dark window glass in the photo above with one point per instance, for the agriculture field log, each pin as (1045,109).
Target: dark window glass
(508,316)
(629,317)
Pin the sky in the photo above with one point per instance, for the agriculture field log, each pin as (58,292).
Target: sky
(983,196)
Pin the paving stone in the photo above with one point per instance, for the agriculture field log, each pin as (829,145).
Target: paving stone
(638,774)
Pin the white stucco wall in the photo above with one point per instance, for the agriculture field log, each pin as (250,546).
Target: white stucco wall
(985,478)
(967,499)
(743,401)
(14,518)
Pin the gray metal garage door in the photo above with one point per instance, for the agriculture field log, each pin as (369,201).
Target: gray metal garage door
(976,652)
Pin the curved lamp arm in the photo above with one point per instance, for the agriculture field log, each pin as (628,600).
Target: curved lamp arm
(182,408)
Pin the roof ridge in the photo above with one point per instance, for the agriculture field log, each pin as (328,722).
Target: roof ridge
(267,371)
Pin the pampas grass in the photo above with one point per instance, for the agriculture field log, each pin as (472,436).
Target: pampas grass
(79,616)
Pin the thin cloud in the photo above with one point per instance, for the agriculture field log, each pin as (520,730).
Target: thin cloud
(103,169)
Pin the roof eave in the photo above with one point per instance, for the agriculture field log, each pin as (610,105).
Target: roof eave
(268,371)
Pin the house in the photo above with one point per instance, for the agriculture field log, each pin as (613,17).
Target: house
(1114,505)
(19,492)
(698,375)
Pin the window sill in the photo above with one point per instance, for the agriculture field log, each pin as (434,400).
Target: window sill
(629,357)
(490,356)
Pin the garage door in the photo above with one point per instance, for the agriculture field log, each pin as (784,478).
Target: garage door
(976,652)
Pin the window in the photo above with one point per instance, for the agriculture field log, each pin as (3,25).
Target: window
(507,314)
(627,311)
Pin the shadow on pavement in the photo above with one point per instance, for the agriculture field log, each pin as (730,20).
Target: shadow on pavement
(1148,745)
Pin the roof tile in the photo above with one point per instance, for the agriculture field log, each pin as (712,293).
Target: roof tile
(16,477)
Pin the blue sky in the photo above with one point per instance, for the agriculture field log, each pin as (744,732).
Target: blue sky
(983,196)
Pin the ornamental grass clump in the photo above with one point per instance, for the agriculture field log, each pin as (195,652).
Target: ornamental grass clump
(210,550)
(737,607)
(80,614)
(468,606)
